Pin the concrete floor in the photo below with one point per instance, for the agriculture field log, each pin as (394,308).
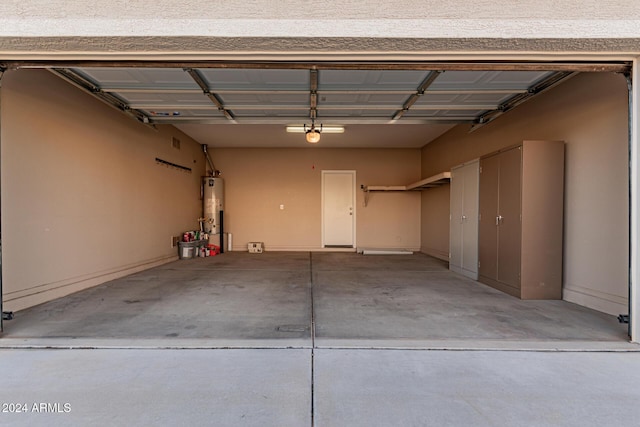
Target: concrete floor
(240,299)
(275,387)
(322,339)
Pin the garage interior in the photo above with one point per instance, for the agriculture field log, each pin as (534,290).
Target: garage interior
(97,196)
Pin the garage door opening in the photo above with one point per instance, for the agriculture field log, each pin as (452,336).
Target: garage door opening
(430,106)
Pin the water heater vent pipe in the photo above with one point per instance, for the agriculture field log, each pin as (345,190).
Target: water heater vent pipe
(214,172)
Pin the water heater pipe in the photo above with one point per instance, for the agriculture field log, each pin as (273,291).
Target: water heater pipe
(215,172)
(221,231)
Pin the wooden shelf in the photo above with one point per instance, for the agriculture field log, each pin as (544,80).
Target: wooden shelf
(431,182)
(368,188)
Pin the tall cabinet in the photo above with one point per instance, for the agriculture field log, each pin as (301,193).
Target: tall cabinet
(463,236)
(520,227)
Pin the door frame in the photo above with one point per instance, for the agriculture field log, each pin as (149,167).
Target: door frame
(2,70)
(634,201)
(353,203)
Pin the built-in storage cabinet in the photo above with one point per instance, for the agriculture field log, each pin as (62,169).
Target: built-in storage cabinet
(521,192)
(463,237)
(499,240)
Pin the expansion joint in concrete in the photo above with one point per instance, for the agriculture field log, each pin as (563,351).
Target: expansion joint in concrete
(313,339)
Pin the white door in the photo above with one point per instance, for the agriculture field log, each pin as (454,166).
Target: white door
(338,208)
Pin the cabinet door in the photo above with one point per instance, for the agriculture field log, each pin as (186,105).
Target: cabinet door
(487,227)
(509,219)
(455,218)
(470,219)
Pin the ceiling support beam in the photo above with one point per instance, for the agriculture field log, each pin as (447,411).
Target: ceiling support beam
(424,85)
(109,99)
(518,99)
(197,77)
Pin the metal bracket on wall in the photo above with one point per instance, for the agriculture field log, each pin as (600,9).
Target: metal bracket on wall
(379,188)
(173,165)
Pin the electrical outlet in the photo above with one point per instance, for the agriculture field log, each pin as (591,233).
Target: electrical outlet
(174,241)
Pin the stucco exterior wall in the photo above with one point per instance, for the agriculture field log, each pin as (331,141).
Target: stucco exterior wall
(60,27)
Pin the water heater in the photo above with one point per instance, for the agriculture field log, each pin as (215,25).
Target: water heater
(213,203)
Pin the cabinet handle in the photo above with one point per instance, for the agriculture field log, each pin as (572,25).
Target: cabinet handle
(499,219)
(463,219)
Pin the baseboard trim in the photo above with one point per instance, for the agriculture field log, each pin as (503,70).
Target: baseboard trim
(468,273)
(596,300)
(317,249)
(307,249)
(19,300)
(444,256)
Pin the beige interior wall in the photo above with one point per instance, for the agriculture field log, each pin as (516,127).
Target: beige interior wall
(83,200)
(258,181)
(589,113)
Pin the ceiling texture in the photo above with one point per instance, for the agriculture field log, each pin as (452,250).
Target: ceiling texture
(250,105)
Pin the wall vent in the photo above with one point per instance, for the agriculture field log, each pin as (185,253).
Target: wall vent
(175,143)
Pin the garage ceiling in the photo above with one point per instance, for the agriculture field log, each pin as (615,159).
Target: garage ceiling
(250,106)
